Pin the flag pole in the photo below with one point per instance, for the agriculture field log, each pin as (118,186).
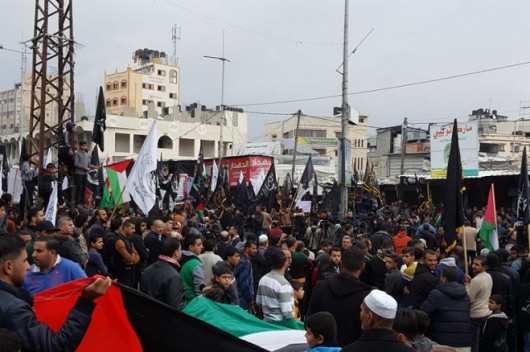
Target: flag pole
(117,202)
(466,266)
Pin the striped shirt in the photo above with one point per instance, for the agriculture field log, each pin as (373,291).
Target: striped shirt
(276,297)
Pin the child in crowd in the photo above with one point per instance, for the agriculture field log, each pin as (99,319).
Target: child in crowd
(493,334)
(321,332)
(409,265)
(393,284)
(95,264)
(298,288)
(219,292)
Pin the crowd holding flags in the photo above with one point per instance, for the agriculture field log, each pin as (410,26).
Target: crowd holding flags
(453,216)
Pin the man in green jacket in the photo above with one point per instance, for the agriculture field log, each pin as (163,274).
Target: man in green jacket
(192,272)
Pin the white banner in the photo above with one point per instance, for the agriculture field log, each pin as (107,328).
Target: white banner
(140,183)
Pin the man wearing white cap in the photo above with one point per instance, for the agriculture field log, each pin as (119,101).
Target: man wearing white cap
(378,311)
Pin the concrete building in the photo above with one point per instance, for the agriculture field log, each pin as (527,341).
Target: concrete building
(180,134)
(15,112)
(322,135)
(500,137)
(150,87)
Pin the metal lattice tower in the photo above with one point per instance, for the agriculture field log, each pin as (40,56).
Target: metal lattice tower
(52,81)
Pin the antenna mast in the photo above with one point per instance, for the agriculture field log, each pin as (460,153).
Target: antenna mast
(175,35)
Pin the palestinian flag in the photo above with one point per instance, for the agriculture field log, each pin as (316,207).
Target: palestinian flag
(488,230)
(128,320)
(116,180)
(272,336)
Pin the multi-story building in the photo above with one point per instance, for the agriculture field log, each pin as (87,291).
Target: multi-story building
(322,135)
(180,134)
(150,87)
(15,112)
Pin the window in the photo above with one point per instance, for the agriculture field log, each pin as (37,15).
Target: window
(173,76)
(122,143)
(109,86)
(108,102)
(146,101)
(311,133)
(115,85)
(173,96)
(160,104)
(161,88)
(148,86)
(123,101)
(114,101)
(165,142)
(124,83)
(161,72)
(338,134)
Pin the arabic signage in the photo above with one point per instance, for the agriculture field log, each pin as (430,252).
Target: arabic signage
(320,141)
(250,165)
(441,145)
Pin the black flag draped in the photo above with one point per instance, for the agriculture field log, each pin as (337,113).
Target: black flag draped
(95,178)
(267,193)
(331,201)
(98,132)
(198,189)
(454,204)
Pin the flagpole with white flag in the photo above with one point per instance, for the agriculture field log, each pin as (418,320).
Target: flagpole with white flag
(259,181)
(53,204)
(215,176)
(48,159)
(140,183)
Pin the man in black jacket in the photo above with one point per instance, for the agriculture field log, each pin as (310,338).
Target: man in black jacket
(16,304)
(448,307)
(424,280)
(161,280)
(342,295)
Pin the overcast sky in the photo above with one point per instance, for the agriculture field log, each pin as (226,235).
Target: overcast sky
(289,49)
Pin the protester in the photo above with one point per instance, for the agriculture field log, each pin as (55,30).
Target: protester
(95,264)
(192,270)
(275,294)
(342,295)
(49,268)
(161,280)
(378,311)
(321,333)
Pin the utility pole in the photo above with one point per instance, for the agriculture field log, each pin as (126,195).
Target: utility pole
(403,144)
(221,148)
(345,117)
(298,114)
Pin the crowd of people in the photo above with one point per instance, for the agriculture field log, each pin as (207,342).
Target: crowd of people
(356,285)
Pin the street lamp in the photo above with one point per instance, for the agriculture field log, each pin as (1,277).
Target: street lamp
(223,60)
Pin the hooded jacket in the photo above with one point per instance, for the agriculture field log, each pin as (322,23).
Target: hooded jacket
(448,307)
(493,334)
(341,295)
(449,262)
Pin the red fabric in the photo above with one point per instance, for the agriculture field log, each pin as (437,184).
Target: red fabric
(491,213)
(400,241)
(109,330)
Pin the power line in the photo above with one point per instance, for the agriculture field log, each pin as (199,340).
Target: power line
(391,87)
(273,36)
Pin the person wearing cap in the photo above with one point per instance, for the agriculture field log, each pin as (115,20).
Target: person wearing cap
(342,295)
(378,311)
(46,179)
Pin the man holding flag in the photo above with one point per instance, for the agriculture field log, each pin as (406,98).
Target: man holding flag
(17,304)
